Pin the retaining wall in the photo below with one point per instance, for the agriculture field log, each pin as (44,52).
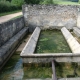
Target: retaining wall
(10,28)
(11,33)
(50,16)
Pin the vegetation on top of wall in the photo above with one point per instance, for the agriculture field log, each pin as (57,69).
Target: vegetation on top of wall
(18,3)
(12,5)
(7,6)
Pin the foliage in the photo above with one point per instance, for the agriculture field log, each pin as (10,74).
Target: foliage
(18,3)
(33,1)
(6,6)
(9,0)
(10,12)
(47,2)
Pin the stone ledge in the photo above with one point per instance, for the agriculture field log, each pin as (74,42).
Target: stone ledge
(31,44)
(72,42)
(9,46)
(48,57)
(76,31)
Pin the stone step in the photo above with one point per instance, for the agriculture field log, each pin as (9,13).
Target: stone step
(69,78)
(76,31)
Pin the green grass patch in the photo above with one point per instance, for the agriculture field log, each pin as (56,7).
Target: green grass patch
(60,2)
(16,17)
(65,2)
(6,13)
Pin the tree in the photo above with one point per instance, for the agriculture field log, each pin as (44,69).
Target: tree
(47,2)
(9,0)
(18,3)
(32,1)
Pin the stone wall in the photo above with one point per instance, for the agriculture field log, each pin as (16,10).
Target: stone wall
(50,16)
(10,28)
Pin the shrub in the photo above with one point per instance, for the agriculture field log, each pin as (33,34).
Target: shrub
(33,1)
(18,3)
(6,6)
(47,2)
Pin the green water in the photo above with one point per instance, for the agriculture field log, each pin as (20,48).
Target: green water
(69,70)
(14,70)
(52,41)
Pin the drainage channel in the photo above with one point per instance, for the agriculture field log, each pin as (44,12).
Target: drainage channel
(13,70)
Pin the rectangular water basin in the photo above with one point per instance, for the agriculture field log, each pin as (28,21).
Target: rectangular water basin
(52,41)
(53,44)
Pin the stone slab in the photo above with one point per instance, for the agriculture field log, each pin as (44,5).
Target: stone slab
(72,42)
(48,57)
(31,44)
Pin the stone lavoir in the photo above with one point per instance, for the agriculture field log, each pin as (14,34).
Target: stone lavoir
(50,25)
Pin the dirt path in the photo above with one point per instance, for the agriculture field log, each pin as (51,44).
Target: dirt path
(8,17)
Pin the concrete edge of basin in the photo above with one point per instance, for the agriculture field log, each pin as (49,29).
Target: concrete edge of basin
(72,42)
(31,44)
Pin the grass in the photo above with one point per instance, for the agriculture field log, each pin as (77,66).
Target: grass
(6,13)
(16,17)
(61,2)
(65,2)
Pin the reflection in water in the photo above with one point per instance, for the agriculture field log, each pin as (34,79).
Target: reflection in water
(14,70)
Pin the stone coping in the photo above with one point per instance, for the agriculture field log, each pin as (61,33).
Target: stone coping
(31,44)
(72,42)
(50,55)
